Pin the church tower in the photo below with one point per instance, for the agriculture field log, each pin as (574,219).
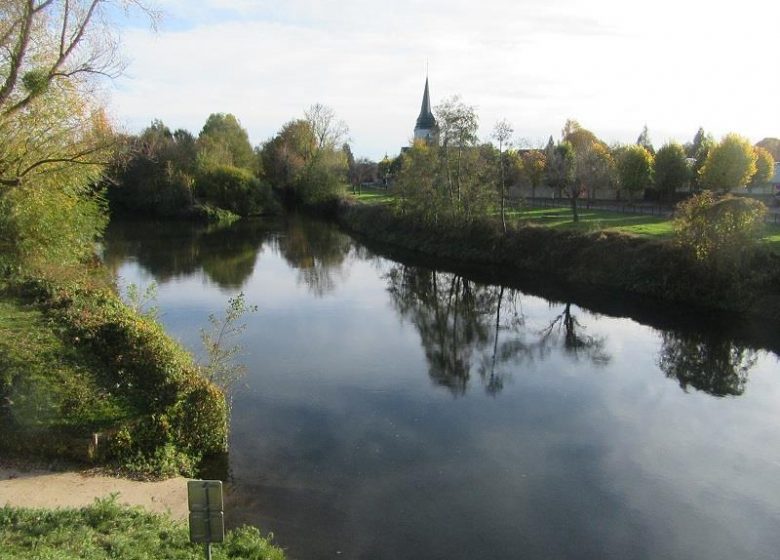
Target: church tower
(426,127)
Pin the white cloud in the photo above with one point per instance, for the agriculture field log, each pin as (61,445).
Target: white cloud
(612,65)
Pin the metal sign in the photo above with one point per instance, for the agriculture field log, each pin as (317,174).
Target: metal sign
(207,521)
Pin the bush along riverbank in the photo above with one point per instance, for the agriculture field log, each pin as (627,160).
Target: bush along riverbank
(85,378)
(656,268)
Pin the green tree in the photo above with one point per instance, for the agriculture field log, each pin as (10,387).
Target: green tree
(719,231)
(594,168)
(152,174)
(729,164)
(635,169)
(692,148)
(286,155)
(671,171)
(54,135)
(534,167)
(458,125)
(418,184)
(702,144)
(223,141)
(765,167)
(561,172)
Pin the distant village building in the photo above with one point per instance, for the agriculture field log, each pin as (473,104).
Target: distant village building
(426,128)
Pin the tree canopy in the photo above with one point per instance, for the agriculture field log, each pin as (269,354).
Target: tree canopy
(635,169)
(672,171)
(729,164)
(223,141)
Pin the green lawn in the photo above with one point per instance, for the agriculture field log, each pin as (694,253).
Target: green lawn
(592,220)
(372,195)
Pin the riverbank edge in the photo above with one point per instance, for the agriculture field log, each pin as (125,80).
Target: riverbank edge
(183,416)
(631,265)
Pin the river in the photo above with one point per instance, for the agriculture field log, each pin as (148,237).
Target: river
(396,410)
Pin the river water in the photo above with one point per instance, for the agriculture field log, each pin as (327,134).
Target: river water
(393,410)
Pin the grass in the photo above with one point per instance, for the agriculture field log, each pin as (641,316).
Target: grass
(47,384)
(594,220)
(372,195)
(107,530)
(590,220)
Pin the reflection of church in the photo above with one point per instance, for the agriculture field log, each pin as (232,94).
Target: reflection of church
(426,128)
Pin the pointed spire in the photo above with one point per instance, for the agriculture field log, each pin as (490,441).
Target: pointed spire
(426,119)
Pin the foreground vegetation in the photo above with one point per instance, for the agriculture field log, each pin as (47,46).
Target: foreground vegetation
(107,530)
(86,378)
(82,375)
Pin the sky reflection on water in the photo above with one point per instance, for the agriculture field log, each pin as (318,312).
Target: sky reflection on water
(385,416)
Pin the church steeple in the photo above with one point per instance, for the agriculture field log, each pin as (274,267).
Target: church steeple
(425,128)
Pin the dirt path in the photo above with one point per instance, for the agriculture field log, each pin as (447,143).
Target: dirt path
(46,489)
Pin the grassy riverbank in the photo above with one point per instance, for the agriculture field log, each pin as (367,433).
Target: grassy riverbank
(649,265)
(85,378)
(107,530)
(591,220)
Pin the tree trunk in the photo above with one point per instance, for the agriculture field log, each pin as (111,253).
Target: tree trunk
(575,216)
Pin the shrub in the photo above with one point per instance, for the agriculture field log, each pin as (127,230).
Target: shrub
(174,407)
(234,189)
(719,230)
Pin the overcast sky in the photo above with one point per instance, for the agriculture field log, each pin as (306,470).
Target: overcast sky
(614,65)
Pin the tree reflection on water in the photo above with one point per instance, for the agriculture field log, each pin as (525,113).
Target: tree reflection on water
(706,362)
(462,323)
(227,255)
(317,250)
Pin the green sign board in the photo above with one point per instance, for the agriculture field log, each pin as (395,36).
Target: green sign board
(207,520)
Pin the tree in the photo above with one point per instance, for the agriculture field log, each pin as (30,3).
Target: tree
(692,148)
(635,169)
(706,362)
(719,231)
(329,131)
(580,138)
(286,155)
(702,144)
(54,134)
(152,173)
(593,167)
(418,183)
(671,171)
(534,167)
(561,169)
(52,54)
(644,141)
(729,164)
(502,133)
(772,145)
(458,125)
(765,167)
(223,141)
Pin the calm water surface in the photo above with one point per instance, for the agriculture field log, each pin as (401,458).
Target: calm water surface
(393,411)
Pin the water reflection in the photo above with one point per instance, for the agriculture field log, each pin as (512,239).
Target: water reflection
(226,255)
(706,362)
(566,331)
(317,250)
(462,323)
